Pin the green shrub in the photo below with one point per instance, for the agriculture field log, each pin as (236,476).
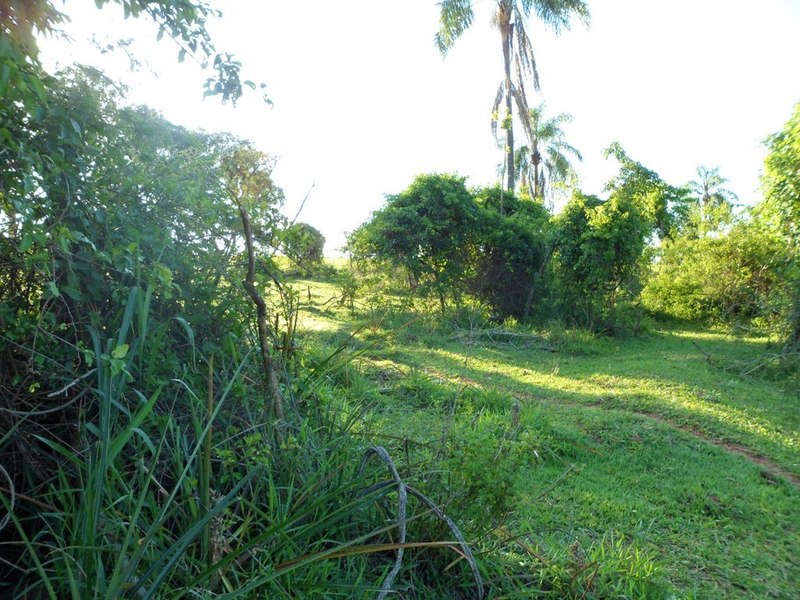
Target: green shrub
(733,278)
(515,241)
(303,245)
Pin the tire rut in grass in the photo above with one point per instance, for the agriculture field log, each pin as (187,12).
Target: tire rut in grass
(770,470)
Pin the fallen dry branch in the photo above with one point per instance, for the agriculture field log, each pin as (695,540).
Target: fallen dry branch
(403,491)
(502,336)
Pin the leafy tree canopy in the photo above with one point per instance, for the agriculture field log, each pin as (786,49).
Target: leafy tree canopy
(304,245)
(428,229)
(782,179)
(183,20)
(601,245)
(711,208)
(514,248)
(664,205)
(781,210)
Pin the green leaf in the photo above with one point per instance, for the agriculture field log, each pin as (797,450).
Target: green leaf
(182,55)
(73,293)
(26,243)
(118,443)
(120,351)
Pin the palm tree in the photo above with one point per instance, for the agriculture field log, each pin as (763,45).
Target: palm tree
(714,202)
(509,17)
(547,159)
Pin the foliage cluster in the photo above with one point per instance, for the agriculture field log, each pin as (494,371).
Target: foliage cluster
(303,245)
(142,452)
(586,265)
(741,271)
(182,20)
(679,252)
(601,250)
(733,278)
(781,210)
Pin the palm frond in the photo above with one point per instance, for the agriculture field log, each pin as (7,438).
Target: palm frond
(496,106)
(557,13)
(521,100)
(564,147)
(546,135)
(455,18)
(524,51)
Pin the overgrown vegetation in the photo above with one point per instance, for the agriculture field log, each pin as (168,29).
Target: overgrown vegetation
(442,418)
(161,437)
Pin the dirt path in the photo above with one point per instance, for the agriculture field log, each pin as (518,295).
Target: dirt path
(770,470)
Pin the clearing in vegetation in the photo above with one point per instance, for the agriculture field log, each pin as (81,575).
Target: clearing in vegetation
(647,467)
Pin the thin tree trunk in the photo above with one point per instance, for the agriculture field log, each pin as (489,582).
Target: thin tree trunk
(505,34)
(270,372)
(534,280)
(794,322)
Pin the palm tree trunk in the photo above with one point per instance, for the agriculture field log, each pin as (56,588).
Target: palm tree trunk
(504,22)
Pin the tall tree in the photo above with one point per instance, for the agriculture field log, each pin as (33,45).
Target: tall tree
(510,17)
(547,159)
(714,206)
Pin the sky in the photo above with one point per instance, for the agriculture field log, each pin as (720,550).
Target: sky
(362,101)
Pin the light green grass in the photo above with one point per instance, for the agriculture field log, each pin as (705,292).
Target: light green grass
(652,436)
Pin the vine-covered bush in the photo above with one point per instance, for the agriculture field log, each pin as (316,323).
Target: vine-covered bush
(430,230)
(602,247)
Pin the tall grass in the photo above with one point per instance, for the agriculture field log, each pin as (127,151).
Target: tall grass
(180,487)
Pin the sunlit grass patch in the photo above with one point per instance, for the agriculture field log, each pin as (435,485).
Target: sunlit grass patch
(632,452)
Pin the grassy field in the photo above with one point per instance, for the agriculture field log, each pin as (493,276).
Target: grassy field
(647,467)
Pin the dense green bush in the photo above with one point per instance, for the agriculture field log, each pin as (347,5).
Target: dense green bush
(732,278)
(429,230)
(781,213)
(599,260)
(303,245)
(449,240)
(746,273)
(512,254)
(601,247)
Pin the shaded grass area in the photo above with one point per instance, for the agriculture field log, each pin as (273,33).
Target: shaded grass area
(619,464)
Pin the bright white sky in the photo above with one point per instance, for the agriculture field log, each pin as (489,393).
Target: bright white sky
(363,101)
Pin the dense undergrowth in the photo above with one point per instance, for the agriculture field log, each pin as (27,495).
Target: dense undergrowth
(194,488)
(177,421)
(189,486)
(574,466)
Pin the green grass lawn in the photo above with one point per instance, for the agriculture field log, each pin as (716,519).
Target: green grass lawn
(629,459)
